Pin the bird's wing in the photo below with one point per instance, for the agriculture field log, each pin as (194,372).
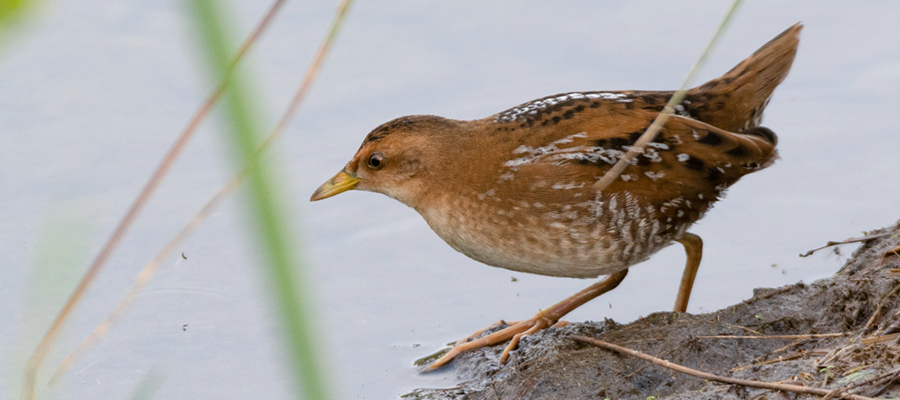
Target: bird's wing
(688,158)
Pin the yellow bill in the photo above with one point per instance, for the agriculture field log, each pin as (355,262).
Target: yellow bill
(341,182)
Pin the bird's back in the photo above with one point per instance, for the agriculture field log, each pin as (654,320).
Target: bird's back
(532,208)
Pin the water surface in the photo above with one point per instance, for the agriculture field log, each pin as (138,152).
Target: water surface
(92,95)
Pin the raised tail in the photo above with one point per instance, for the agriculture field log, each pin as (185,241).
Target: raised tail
(735,101)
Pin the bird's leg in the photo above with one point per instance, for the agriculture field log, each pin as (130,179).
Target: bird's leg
(693,247)
(542,320)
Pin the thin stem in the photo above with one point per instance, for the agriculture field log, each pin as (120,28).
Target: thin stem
(717,378)
(669,109)
(197,220)
(43,348)
(265,211)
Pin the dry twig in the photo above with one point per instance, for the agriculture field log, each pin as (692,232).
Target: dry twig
(845,241)
(763,357)
(744,328)
(662,354)
(891,252)
(872,381)
(806,336)
(767,362)
(780,349)
(880,306)
(888,383)
(717,378)
(799,354)
(880,339)
(837,354)
(894,326)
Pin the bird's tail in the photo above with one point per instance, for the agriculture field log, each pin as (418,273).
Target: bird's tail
(735,101)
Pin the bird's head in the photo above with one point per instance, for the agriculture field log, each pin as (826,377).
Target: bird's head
(402,159)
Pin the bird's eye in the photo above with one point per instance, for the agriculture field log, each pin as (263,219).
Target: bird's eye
(376,161)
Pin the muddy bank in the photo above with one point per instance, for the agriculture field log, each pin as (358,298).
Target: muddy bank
(551,365)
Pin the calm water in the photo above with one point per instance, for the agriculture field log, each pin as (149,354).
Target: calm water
(93,94)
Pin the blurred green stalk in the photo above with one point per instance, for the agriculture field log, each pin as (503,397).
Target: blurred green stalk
(12,13)
(10,10)
(245,135)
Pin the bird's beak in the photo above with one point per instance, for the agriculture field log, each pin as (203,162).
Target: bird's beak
(341,182)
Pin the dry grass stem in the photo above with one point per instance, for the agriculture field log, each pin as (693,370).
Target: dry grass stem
(806,336)
(669,109)
(744,328)
(880,339)
(717,378)
(150,269)
(799,354)
(846,241)
(880,306)
(43,348)
(895,252)
(663,354)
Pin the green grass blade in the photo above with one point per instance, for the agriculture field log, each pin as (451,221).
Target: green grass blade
(12,13)
(267,216)
(10,10)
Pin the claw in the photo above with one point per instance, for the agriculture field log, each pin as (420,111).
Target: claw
(514,333)
(549,318)
(514,343)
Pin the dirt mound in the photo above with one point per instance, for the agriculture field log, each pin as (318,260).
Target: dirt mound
(850,318)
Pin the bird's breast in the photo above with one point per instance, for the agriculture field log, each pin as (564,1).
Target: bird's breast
(598,235)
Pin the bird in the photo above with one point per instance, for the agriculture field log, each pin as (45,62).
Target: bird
(515,190)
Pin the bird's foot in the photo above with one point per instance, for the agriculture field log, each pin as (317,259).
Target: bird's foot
(514,333)
(546,318)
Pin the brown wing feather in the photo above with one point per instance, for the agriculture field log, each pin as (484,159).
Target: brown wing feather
(689,160)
